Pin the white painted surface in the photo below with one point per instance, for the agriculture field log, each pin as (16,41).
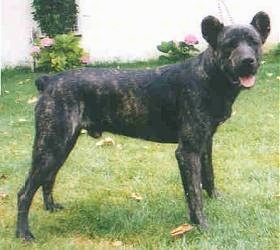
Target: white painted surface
(127,29)
(131,29)
(16,28)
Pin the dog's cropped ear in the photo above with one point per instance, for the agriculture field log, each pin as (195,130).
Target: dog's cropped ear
(210,28)
(261,23)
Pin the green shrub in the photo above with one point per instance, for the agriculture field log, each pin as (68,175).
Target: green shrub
(58,54)
(178,51)
(277,50)
(55,16)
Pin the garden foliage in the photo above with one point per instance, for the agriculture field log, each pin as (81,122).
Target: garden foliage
(55,16)
(178,51)
(58,54)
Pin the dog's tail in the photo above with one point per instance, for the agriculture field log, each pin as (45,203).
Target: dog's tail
(42,83)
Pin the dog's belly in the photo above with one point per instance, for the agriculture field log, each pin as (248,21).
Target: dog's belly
(154,125)
(156,133)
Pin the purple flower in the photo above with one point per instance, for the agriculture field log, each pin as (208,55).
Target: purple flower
(190,39)
(85,59)
(47,42)
(35,50)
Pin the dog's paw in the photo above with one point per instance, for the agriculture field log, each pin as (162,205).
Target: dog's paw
(203,226)
(52,207)
(214,194)
(26,236)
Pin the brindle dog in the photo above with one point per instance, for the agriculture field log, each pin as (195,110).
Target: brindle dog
(181,103)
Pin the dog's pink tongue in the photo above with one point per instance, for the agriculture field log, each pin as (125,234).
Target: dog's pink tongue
(247,81)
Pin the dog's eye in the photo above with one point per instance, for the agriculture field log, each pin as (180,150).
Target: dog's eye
(253,42)
(230,45)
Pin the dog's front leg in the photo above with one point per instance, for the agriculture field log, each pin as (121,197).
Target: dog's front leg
(190,170)
(207,170)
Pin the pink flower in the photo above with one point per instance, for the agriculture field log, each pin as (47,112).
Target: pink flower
(35,50)
(47,42)
(190,39)
(85,59)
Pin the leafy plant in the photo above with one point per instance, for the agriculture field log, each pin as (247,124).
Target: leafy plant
(178,51)
(277,50)
(58,54)
(55,16)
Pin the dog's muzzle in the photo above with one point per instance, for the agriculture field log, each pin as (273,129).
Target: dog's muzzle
(246,72)
(245,65)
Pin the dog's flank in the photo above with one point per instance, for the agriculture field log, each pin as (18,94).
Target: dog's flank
(182,103)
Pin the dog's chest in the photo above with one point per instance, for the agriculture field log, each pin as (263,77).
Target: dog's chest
(218,106)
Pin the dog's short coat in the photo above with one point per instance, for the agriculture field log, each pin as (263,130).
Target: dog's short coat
(181,103)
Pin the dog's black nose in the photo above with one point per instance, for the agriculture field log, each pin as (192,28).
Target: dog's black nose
(248,61)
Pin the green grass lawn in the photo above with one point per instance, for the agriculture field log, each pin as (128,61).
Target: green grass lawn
(96,183)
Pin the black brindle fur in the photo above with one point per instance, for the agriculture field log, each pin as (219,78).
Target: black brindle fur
(181,103)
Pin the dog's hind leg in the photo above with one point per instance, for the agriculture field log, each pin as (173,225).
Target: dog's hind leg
(57,148)
(46,163)
(49,179)
(56,134)
(47,187)
(25,196)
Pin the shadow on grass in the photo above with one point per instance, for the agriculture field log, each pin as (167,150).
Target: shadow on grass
(129,220)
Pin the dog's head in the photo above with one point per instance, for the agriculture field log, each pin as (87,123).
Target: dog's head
(237,48)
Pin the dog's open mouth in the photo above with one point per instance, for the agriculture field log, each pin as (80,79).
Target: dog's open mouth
(247,81)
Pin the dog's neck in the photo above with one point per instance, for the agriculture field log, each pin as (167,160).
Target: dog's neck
(218,79)
(224,92)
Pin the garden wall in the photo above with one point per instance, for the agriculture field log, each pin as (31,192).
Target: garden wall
(126,30)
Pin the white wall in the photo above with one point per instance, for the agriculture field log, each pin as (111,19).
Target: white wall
(126,29)
(16,28)
(131,29)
